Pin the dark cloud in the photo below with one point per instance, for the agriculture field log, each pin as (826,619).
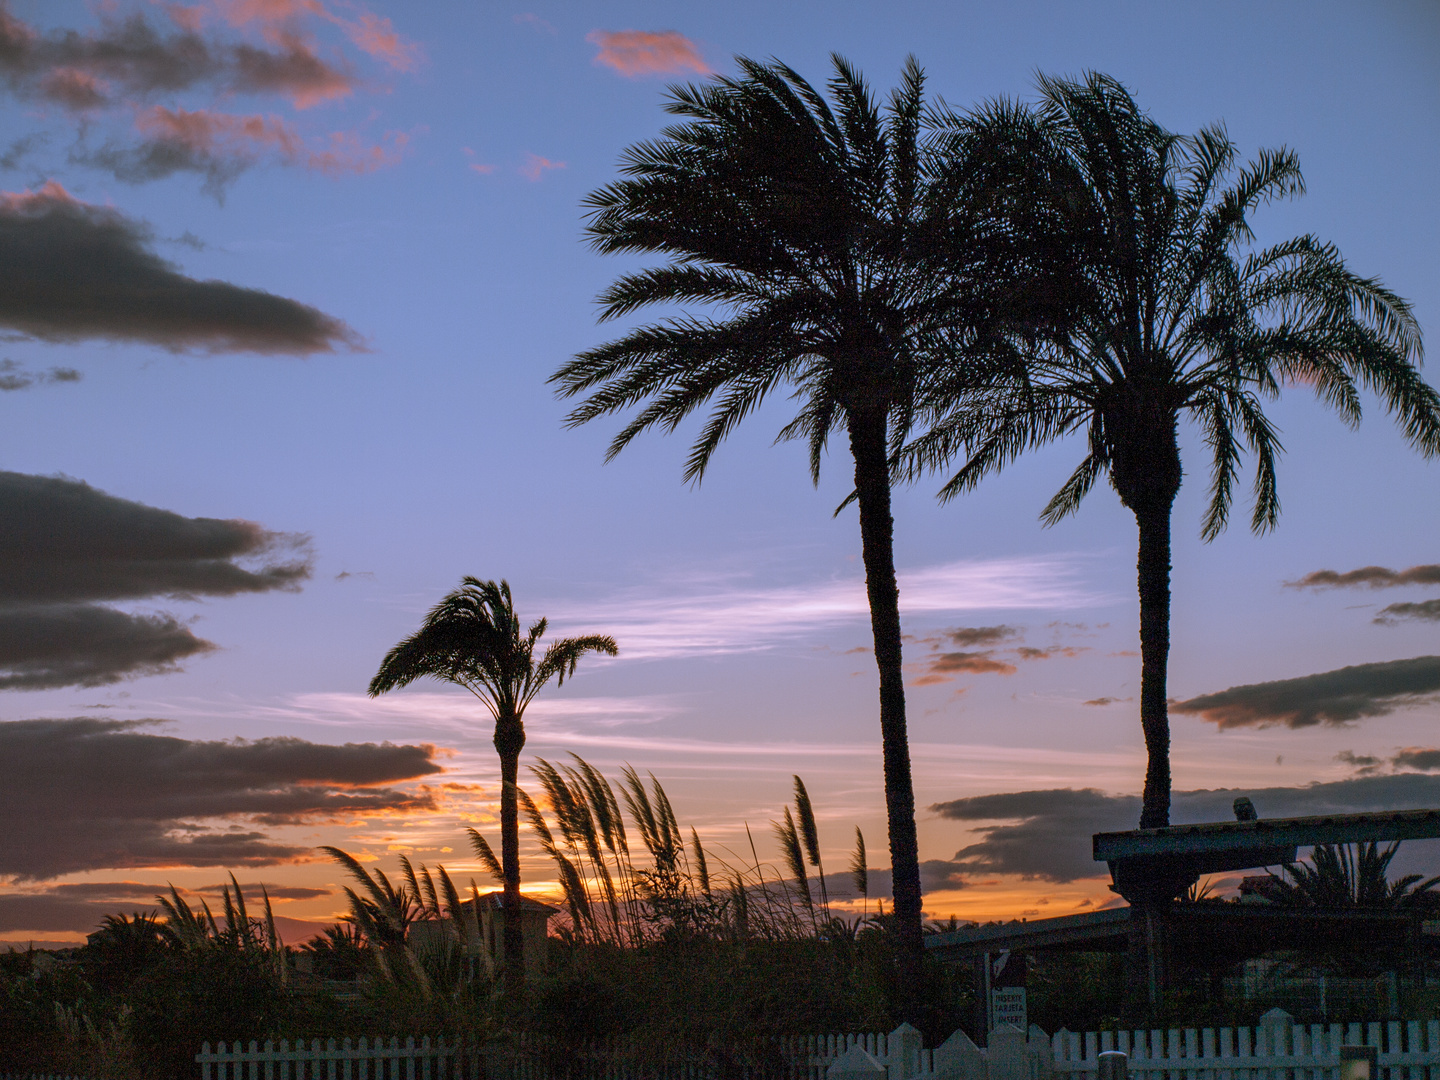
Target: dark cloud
(125,60)
(1372,577)
(62,540)
(936,875)
(275,892)
(1363,764)
(1046,834)
(70,271)
(15,376)
(67,548)
(1100,701)
(1428,610)
(86,794)
(1025,652)
(58,645)
(20,149)
(155,159)
(1330,697)
(970,636)
(80,907)
(1420,758)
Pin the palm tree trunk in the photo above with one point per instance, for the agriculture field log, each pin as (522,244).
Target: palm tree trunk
(509,741)
(867,432)
(1153,572)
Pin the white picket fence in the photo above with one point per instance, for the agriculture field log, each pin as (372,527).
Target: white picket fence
(360,1059)
(1276,1049)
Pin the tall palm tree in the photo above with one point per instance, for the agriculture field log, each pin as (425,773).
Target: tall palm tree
(827,253)
(1173,314)
(472,638)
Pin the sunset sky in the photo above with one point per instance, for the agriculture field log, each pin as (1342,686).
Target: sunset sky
(282,283)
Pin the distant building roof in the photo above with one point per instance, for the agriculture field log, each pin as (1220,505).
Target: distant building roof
(494,901)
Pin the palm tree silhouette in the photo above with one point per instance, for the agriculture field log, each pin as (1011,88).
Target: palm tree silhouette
(1170,317)
(1349,876)
(832,255)
(472,639)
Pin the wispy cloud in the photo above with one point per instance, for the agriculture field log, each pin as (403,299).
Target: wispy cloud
(529,18)
(647,52)
(536,166)
(677,618)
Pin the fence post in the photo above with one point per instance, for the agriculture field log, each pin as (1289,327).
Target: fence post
(903,1052)
(958,1058)
(855,1064)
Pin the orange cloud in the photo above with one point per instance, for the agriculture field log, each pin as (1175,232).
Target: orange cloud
(535,166)
(647,52)
(534,20)
(975,663)
(484,170)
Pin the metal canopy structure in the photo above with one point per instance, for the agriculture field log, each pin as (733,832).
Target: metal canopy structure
(1151,868)
(1156,865)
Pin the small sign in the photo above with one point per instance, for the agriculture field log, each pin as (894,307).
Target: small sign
(1007,1006)
(1005,976)
(1359,1063)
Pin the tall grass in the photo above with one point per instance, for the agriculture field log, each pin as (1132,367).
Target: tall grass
(623,894)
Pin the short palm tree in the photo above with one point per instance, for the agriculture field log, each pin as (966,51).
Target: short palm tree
(827,254)
(472,638)
(1171,316)
(1351,876)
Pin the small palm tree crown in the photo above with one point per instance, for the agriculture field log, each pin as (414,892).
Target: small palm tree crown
(1349,876)
(472,639)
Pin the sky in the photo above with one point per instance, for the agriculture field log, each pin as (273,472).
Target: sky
(286,281)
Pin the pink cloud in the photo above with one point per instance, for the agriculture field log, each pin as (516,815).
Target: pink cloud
(477,166)
(216,135)
(535,166)
(73,88)
(347,153)
(297,71)
(647,52)
(377,36)
(530,18)
(46,195)
(203,131)
(373,34)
